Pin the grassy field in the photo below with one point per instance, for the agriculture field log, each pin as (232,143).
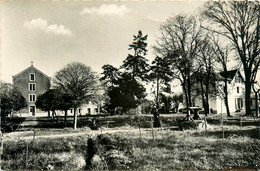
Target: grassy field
(161,149)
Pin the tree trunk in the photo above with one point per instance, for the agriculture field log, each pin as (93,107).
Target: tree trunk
(189,91)
(207,99)
(49,114)
(202,94)
(156,112)
(65,117)
(186,94)
(256,104)
(53,115)
(247,96)
(157,95)
(75,118)
(226,98)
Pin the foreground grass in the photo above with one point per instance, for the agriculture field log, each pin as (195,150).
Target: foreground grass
(171,150)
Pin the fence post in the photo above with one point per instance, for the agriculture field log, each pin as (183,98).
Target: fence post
(241,129)
(139,125)
(152,128)
(222,121)
(34,132)
(205,122)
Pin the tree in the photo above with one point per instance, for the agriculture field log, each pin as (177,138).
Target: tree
(79,82)
(222,57)
(110,74)
(11,99)
(137,64)
(161,73)
(179,42)
(49,101)
(205,73)
(176,100)
(128,93)
(52,100)
(238,21)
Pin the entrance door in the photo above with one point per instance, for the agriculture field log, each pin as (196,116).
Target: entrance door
(32,110)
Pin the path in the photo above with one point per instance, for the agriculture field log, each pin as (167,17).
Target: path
(16,135)
(29,121)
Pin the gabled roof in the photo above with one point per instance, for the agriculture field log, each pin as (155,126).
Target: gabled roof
(229,74)
(34,69)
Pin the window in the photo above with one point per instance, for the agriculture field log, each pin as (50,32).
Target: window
(32,97)
(32,77)
(71,110)
(238,103)
(32,86)
(237,89)
(96,110)
(89,110)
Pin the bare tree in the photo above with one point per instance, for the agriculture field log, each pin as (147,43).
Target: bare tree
(205,72)
(238,21)
(79,82)
(223,55)
(179,42)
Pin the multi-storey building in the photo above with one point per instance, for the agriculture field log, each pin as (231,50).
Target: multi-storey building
(31,82)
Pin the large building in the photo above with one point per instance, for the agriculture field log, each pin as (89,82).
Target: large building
(32,83)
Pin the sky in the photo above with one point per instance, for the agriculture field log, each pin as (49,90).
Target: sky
(55,33)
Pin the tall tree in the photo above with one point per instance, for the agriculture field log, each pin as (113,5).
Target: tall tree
(238,21)
(161,73)
(109,80)
(137,63)
(79,82)
(205,71)
(179,42)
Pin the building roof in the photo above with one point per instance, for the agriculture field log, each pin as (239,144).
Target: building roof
(34,69)
(229,74)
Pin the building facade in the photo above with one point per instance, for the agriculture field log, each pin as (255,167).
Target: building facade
(32,83)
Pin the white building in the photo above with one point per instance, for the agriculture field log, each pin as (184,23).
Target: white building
(236,97)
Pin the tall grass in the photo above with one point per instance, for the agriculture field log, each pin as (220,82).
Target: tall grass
(171,150)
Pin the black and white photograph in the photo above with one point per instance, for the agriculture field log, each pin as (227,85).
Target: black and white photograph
(129,85)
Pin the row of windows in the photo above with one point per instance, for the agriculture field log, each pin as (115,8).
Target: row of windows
(89,110)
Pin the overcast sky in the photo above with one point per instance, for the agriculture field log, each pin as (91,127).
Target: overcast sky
(53,34)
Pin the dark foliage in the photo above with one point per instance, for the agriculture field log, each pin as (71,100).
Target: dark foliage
(136,64)
(128,93)
(11,99)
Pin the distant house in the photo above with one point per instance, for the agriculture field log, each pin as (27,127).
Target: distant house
(236,96)
(31,82)
(89,108)
(236,92)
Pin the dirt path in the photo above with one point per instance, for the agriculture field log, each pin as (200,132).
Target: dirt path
(25,135)
(30,120)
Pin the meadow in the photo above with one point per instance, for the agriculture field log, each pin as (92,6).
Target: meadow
(233,146)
